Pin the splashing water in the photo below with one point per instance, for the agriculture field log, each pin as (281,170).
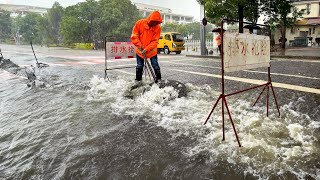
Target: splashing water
(272,146)
(86,129)
(37,76)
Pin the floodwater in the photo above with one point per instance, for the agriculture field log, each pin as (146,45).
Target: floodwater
(74,125)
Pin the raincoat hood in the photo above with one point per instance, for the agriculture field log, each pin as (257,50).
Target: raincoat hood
(155,16)
(146,37)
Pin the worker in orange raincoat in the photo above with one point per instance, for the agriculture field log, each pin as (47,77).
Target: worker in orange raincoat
(145,36)
(218,41)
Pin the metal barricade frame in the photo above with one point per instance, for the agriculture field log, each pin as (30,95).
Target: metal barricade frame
(127,47)
(117,40)
(223,95)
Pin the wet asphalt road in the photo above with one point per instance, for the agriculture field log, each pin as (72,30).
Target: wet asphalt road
(290,73)
(294,79)
(293,72)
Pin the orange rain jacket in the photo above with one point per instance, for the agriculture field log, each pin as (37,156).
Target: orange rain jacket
(218,40)
(146,37)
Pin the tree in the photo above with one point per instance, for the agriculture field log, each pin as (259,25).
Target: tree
(116,18)
(171,27)
(5,25)
(217,9)
(92,20)
(43,30)
(53,20)
(15,27)
(281,13)
(187,29)
(27,27)
(252,10)
(74,27)
(31,27)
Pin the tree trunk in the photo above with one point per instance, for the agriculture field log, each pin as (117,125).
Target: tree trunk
(283,38)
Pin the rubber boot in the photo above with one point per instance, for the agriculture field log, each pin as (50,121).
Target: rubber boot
(139,74)
(158,75)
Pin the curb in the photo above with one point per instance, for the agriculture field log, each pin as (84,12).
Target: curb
(200,56)
(273,56)
(297,57)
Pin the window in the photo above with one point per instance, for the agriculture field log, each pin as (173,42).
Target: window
(293,30)
(308,7)
(303,33)
(177,37)
(167,37)
(314,30)
(310,31)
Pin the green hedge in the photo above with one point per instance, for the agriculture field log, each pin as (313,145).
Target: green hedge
(83,45)
(87,46)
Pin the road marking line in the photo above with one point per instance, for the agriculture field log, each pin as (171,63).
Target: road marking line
(170,62)
(277,74)
(194,59)
(212,67)
(297,60)
(121,65)
(159,59)
(95,60)
(257,82)
(125,72)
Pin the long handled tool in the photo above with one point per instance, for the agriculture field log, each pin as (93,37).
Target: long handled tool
(1,54)
(39,65)
(34,53)
(149,69)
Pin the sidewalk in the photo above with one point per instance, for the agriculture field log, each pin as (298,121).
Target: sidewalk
(301,52)
(290,53)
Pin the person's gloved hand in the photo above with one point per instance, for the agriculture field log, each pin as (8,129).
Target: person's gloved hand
(142,51)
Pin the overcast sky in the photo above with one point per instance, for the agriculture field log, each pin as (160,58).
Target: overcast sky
(185,7)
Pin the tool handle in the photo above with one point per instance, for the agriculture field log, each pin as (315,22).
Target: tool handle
(33,52)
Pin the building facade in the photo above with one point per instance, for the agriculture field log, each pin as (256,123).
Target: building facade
(167,15)
(312,7)
(22,10)
(306,31)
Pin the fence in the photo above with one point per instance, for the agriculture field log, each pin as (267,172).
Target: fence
(194,45)
(121,47)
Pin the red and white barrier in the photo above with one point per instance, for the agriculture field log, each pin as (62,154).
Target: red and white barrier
(120,50)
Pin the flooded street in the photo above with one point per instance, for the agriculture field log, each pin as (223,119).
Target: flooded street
(73,124)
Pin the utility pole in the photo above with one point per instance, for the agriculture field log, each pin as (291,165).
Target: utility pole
(203,31)
(240,14)
(18,36)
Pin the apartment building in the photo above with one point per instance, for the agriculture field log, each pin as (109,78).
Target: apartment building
(168,16)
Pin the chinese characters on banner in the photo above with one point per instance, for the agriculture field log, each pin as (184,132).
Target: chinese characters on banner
(245,51)
(117,50)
